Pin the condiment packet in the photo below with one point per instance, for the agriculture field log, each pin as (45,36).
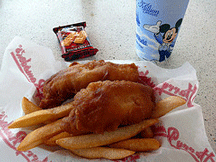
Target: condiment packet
(74,41)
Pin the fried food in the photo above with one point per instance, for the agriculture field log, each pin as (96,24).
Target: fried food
(52,140)
(166,105)
(103,152)
(110,108)
(38,136)
(138,144)
(64,84)
(42,116)
(104,105)
(28,106)
(147,133)
(94,140)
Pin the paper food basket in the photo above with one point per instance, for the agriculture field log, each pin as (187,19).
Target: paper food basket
(181,132)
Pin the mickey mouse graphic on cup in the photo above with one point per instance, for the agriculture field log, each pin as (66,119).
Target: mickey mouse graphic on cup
(167,39)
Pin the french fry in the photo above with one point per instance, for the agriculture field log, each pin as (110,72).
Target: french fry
(103,152)
(94,140)
(38,136)
(42,116)
(166,105)
(28,106)
(52,140)
(138,145)
(147,133)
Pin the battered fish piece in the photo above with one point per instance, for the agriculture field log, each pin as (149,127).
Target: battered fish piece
(64,84)
(104,105)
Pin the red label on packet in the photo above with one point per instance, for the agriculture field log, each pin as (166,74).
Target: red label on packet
(74,41)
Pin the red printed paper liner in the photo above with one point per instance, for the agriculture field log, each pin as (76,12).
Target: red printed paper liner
(181,132)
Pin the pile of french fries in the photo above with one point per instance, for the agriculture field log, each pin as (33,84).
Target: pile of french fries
(111,145)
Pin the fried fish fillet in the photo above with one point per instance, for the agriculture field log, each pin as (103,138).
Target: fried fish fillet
(104,105)
(64,84)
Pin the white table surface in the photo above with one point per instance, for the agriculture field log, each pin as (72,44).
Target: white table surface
(111,28)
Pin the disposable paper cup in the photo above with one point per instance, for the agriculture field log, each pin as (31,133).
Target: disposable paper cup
(158,24)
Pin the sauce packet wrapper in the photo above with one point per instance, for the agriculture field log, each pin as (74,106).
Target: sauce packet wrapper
(74,41)
(181,132)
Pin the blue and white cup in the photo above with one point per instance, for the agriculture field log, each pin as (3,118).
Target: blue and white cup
(158,24)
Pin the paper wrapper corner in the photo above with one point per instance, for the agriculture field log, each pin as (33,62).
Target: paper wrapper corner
(181,132)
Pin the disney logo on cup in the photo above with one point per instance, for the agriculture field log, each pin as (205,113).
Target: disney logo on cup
(22,63)
(147,8)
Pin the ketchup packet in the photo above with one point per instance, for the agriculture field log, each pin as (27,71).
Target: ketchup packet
(74,41)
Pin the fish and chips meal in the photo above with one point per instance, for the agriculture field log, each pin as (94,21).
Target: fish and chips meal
(96,110)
